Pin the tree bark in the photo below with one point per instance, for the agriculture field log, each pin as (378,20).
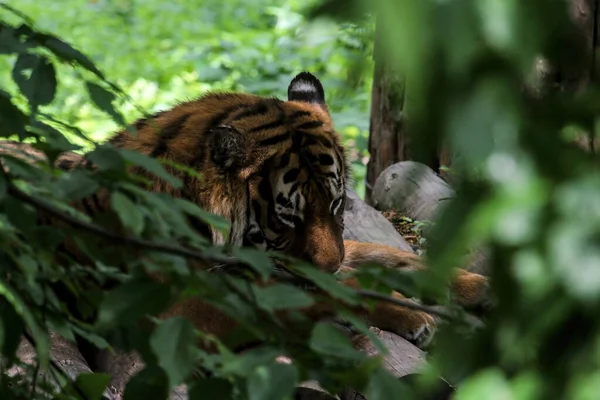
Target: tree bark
(389,136)
(413,189)
(388,142)
(65,354)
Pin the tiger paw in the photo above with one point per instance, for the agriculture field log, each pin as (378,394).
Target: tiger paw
(415,326)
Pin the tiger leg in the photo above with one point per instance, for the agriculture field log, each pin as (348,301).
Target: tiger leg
(467,289)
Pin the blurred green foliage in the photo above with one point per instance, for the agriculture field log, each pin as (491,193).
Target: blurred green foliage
(523,190)
(162,52)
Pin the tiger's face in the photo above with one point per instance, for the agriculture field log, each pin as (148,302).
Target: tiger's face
(296,206)
(294,168)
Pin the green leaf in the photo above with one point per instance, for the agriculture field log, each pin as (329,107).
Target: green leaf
(91,337)
(41,338)
(61,327)
(36,78)
(151,165)
(9,40)
(272,382)
(255,258)
(328,283)
(12,119)
(11,331)
(107,158)
(281,296)
(174,344)
(210,388)
(128,212)
(216,221)
(92,384)
(103,99)
(151,383)
(132,300)
(243,364)
(383,386)
(329,341)
(67,53)
(76,185)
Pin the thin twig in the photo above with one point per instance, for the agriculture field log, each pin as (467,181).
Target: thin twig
(298,280)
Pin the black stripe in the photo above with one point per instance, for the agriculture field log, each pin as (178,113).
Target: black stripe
(325,159)
(274,139)
(298,114)
(95,201)
(201,228)
(257,211)
(264,190)
(341,159)
(291,175)
(65,164)
(326,142)
(284,160)
(222,116)
(142,122)
(168,133)
(281,200)
(87,207)
(88,164)
(312,139)
(296,142)
(270,125)
(258,109)
(312,158)
(310,125)
(293,189)
(119,139)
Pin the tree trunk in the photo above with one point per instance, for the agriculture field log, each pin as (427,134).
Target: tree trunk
(388,142)
(389,139)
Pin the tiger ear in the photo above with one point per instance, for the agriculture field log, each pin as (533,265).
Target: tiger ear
(229,149)
(307,88)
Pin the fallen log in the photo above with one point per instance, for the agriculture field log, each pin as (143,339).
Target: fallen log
(363,223)
(64,354)
(412,189)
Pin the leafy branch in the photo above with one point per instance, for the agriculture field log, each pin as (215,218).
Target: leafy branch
(181,251)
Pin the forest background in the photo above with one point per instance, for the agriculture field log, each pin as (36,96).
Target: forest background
(162,52)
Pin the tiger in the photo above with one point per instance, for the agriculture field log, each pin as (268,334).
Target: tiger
(278,172)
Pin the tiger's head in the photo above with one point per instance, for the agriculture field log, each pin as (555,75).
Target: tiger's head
(294,170)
